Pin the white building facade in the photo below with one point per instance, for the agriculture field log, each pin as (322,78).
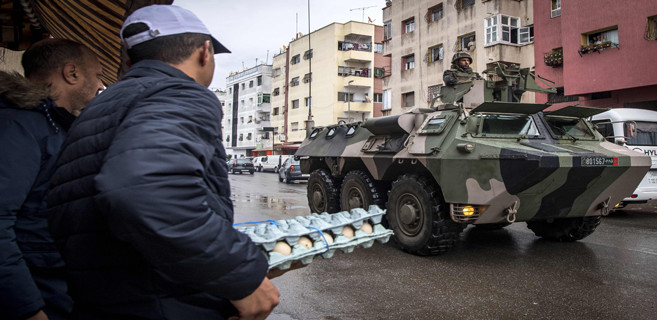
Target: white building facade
(247,112)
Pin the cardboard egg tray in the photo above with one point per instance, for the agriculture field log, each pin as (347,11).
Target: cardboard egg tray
(291,230)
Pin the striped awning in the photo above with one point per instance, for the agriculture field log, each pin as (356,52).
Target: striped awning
(95,23)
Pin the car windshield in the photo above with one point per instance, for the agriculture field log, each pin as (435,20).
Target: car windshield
(498,124)
(569,128)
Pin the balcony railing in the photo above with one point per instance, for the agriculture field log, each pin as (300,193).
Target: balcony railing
(353,71)
(347,46)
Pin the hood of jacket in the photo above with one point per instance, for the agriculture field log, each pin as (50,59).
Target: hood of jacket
(18,92)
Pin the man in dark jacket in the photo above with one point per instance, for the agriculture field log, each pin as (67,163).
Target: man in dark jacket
(62,76)
(140,199)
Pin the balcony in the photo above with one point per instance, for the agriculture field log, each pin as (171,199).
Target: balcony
(357,56)
(263,107)
(357,106)
(262,124)
(345,71)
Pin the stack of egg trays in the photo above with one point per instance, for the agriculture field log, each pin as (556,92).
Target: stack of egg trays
(292,229)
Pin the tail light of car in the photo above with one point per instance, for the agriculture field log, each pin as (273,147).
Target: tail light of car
(291,167)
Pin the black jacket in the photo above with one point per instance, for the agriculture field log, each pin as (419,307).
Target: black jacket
(32,129)
(141,204)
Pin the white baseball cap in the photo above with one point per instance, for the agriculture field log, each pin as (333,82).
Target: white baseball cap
(166,20)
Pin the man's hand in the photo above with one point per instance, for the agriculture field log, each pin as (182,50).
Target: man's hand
(259,304)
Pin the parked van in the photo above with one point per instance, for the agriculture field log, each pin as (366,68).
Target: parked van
(272,163)
(617,126)
(257,162)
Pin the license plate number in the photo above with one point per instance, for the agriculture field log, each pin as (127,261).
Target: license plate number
(599,161)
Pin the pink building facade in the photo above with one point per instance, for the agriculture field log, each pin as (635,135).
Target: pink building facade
(599,53)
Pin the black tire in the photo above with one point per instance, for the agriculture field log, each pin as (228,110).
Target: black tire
(564,229)
(323,192)
(233,171)
(287,179)
(359,191)
(259,168)
(252,171)
(419,217)
(279,177)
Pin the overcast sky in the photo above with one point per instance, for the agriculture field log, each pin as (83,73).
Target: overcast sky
(258,29)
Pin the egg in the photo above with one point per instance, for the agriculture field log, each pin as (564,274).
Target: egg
(305,242)
(283,248)
(328,238)
(348,232)
(367,228)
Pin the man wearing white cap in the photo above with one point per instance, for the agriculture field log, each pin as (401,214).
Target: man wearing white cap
(140,201)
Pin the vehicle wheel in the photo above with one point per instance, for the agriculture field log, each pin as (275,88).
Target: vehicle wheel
(323,192)
(259,168)
(287,178)
(359,191)
(252,171)
(279,178)
(233,171)
(419,218)
(564,229)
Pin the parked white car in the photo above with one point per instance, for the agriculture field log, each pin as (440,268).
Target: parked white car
(272,163)
(257,162)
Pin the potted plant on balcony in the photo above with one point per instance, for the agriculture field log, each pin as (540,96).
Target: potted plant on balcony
(548,59)
(606,44)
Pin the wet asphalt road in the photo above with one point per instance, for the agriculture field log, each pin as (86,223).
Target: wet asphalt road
(504,274)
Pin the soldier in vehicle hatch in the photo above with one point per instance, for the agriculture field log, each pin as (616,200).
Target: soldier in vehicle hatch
(460,71)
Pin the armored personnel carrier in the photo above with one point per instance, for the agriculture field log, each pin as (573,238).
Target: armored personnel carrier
(477,156)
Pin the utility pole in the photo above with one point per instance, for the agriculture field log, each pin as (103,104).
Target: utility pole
(363,9)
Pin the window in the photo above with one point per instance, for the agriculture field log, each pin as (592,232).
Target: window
(435,53)
(308,54)
(435,13)
(343,96)
(506,29)
(385,113)
(462,4)
(250,119)
(433,91)
(514,125)
(379,72)
(387,30)
(230,90)
(307,78)
(556,9)
(387,99)
(295,59)
(408,25)
(241,136)
(467,42)
(600,37)
(651,29)
(295,104)
(408,62)
(248,136)
(295,126)
(251,84)
(259,80)
(243,86)
(241,119)
(276,92)
(560,97)
(408,99)
(378,48)
(294,82)
(264,98)
(274,112)
(277,72)
(307,100)
(378,97)
(250,101)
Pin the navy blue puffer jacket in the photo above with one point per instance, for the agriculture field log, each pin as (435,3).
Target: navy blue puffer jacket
(140,204)
(32,129)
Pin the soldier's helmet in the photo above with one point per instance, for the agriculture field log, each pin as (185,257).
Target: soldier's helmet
(461,54)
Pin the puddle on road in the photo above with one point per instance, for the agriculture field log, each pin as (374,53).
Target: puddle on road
(268,202)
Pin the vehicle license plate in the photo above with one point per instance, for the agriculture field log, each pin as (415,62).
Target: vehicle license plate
(599,161)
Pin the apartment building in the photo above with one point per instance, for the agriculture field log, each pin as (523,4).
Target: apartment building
(328,76)
(421,36)
(599,53)
(247,115)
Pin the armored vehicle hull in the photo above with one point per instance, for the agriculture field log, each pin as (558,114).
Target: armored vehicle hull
(438,170)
